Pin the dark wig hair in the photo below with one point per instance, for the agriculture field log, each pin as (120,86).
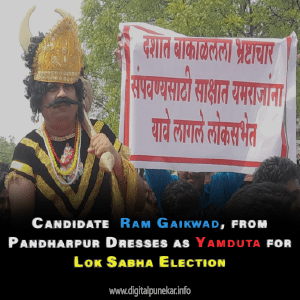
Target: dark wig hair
(36,90)
(276,169)
(262,201)
(180,200)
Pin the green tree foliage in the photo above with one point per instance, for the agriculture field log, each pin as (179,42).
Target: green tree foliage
(98,32)
(232,18)
(209,18)
(7,149)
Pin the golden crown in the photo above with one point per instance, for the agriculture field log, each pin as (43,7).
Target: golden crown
(59,56)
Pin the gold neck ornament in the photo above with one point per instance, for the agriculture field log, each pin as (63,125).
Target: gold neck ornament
(76,159)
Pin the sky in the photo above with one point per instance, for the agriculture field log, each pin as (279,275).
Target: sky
(15,112)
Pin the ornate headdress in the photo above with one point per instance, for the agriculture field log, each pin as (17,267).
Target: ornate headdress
(59,57)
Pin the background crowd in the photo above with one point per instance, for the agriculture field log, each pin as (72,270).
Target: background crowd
(271,193)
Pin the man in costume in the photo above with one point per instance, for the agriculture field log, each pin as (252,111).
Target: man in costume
(55,171)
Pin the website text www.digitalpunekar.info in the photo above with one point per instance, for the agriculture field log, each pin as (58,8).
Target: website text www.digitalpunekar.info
(148,291)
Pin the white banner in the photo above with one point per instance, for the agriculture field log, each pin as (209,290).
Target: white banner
(206,104)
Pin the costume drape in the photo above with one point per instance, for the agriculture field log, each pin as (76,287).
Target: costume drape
(95,195)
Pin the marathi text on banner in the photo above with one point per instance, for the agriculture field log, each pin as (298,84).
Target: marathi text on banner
(210,100)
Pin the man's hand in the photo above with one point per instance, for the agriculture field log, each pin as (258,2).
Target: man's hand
(100,144)
(117,52)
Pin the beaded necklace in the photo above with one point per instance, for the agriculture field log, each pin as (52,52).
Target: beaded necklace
(52,155)
(53,151)
(62,138)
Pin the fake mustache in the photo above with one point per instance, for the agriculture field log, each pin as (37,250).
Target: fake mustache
(62,100)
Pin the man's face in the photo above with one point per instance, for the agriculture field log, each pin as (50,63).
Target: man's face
(194,178)
(62,113)
(294,186)
(149,193)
